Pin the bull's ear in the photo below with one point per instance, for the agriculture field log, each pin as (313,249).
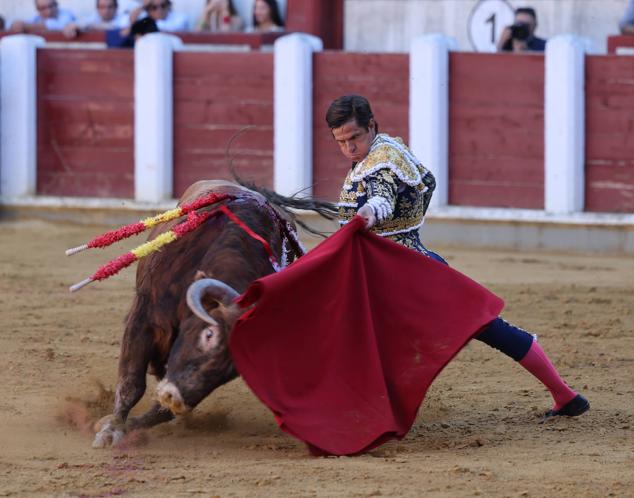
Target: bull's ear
(200,274)
(231,313)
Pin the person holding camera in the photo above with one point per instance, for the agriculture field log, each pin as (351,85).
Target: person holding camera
(520,36)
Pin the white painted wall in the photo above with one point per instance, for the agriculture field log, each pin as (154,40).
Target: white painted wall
(390,25)
(12,9)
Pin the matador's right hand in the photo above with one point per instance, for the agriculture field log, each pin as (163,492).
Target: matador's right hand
(367,213)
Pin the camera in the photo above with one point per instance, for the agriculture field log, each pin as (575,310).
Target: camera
(520,31)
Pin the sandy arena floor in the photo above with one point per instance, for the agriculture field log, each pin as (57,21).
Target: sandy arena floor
(477,432)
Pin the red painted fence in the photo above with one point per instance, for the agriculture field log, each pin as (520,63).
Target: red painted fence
(220,97)
(496,130)
(85,112)
(610,133)
(496,145)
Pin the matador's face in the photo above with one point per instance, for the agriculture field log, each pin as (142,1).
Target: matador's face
(354,141)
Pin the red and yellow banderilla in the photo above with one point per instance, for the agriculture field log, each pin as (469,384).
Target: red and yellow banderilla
(194,220)
(124,232)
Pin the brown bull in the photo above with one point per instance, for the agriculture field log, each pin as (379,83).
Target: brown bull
(160,326)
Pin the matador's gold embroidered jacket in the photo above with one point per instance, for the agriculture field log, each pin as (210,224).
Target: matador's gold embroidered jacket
(397,187)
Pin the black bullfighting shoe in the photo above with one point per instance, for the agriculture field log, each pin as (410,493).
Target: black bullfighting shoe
(575,407)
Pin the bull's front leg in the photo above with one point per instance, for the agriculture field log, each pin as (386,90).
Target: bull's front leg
(154,416)
(112,428)
(136,351)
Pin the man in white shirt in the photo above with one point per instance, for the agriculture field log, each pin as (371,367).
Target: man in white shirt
(161,11)
(49,18)
(106,17)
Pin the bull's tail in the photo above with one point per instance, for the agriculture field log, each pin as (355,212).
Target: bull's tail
(327,210)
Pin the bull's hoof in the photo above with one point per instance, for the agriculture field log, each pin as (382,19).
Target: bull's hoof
(109,432)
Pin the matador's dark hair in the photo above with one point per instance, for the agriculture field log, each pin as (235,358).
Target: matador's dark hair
(348,107)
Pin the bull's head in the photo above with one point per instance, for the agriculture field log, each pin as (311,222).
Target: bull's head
(199,360)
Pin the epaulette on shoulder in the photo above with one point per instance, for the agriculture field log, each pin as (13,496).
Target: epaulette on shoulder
(389,153)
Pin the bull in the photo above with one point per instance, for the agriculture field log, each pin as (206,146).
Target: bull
(183,309)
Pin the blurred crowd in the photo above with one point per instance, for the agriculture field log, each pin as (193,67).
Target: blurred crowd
(134,18)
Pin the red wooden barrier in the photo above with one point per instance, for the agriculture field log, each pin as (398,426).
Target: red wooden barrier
(617,41)
(609,133)
(382,78)
(496,140)
(215,96)
(85,123)
(253,40)
(86,115)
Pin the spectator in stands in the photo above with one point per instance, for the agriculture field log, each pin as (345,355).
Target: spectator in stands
(105,18)
(49,18)
(266,17)
(138,29)
(220,16)
(520,37)
(627,21)
(161,12)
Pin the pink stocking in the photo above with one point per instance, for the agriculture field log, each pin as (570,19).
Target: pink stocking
(537,363)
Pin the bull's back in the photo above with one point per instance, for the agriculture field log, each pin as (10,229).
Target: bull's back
(164,276)
(204,187)
(195,191)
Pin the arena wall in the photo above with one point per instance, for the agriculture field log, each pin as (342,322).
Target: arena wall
(609,134)
(85,107)
(496,124)
(86,111)
(496,137)
(220,100)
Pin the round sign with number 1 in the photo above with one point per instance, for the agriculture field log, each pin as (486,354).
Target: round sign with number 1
(486,23)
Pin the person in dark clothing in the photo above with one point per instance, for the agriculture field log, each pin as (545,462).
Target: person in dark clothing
(520,36)
(126,38)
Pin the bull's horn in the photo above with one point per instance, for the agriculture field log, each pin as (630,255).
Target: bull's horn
(217,290)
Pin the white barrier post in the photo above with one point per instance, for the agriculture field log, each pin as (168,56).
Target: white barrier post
(154,117)
(293,113)
(564,123)
(429,108)
(18,109)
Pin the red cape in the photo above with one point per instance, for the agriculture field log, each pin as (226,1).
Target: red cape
(343,344)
